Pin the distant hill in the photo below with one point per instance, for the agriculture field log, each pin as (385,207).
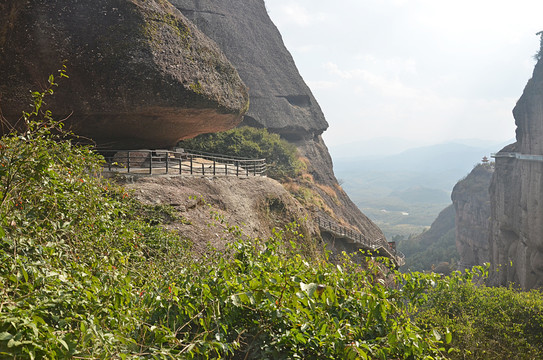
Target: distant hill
(434,249)
(421,195)
(417,181)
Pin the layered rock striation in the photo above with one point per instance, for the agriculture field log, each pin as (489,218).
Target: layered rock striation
(516,237)
(471,202)
(141,75)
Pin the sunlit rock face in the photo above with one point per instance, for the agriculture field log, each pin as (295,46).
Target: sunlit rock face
(141,75)
(280,100)
(516,239)
(472,208)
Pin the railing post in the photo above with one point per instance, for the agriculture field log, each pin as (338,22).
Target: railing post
(191,164)
(167,160)
(237,168)
(180,165)
(128,161)
(203,170)
(150,162)
(214,167)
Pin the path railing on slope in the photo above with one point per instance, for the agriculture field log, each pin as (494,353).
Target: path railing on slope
(340,231)
(180,162)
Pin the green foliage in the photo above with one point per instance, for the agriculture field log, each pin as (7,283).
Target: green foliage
(87,272)
(485,323)
(423,256)
(281,156)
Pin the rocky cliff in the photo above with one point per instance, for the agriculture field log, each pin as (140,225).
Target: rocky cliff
(279,98)
(141,75)
(516,237)
(471,202)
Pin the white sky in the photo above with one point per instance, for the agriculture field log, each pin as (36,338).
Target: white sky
(423,70)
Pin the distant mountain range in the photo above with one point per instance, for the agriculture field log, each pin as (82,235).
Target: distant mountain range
(417,180)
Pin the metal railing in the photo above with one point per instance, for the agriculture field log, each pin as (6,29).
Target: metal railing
(519,156)
(180,162)
(356,237)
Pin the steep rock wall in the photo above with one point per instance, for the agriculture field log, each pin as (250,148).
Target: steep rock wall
(471,202)
(141,75)
(516,238)
(280,100)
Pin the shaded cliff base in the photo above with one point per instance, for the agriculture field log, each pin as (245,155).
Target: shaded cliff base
(435,249)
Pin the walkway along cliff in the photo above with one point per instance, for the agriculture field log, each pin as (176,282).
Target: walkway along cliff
(145,74)
(280,100)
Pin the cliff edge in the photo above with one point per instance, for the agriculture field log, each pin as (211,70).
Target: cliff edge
(516,229)
(280,100)
(471,202)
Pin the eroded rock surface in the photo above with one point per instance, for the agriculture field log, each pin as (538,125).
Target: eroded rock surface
(516,238)
(141,75)
(471,202)
(210,205)
(280,100)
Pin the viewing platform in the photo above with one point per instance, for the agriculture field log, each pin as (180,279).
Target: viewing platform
(180,162)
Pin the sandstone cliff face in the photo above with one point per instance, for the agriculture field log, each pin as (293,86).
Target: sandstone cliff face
(141,75)
(472,207)
(516,238)
(279,98)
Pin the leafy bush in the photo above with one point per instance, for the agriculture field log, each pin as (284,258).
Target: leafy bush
(86,272)
(486,323)
(281,156)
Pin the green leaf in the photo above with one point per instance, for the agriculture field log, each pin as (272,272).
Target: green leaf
(64,344)
(12,342)
(235,300)
(5,336)
(309,288)
(448,337)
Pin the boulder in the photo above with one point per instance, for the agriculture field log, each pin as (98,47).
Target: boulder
(141,75)
(280,99)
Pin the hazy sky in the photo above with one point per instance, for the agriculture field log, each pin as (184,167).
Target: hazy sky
(425,70)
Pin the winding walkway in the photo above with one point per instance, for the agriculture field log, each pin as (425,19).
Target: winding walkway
(331,227)
(192,163)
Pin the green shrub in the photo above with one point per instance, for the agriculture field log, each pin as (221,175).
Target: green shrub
(281,156)
(486,323)
(87,272)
